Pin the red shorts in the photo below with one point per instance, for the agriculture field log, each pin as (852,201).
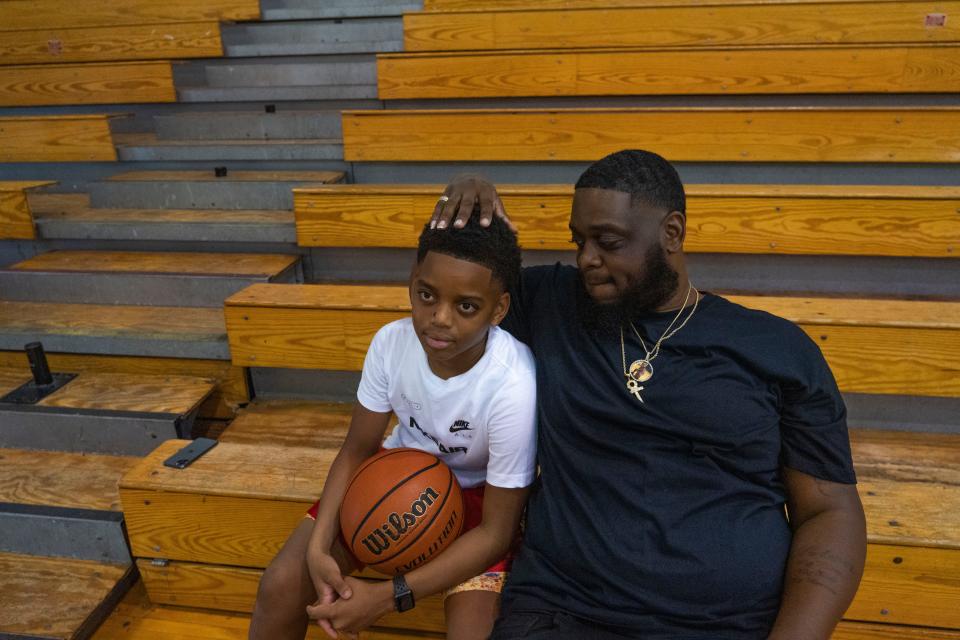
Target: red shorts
(473,516)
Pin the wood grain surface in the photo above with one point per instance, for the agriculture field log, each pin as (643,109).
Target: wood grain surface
(110,44)
(231,389)
(70,138)
(58,479)
(92,83)
(290,423)
(156,323)
(797,134)
(225,588)
(507,5)
(771,24)
(119,392)
(729,71)
(29,585)
(776,219)
(18,15)
(264,265)
(11,379)
(16,219)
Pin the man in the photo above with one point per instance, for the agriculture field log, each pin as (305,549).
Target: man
(696,478)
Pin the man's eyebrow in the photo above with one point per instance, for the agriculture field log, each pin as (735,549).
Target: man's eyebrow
(604,226)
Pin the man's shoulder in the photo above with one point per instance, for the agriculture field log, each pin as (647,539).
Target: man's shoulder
(766,332)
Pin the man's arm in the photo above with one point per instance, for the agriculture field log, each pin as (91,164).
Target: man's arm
(826,557)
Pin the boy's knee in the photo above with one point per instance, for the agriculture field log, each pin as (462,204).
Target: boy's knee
(279,586)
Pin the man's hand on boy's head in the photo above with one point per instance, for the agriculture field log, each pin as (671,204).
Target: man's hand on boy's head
(457,203)
(370,602)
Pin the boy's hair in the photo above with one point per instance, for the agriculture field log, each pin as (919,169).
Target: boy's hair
(646,176)
(494,247)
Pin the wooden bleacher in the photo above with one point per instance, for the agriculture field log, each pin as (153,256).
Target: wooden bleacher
(784,23)
(91,83)
(22,15)
(330,327)
(16,217)
(67,138)
(238,520)
(687,134)
(764,219)
(627,72)
(506,5)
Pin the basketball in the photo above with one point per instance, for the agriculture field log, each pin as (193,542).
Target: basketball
(401,509)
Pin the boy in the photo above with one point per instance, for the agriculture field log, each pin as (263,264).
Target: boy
(463,390)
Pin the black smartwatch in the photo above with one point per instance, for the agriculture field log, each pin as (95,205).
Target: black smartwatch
(402,596)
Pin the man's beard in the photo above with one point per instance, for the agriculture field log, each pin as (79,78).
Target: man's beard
(658,284)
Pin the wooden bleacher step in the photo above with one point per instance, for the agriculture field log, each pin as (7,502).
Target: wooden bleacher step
(63,504)
(889,23)
(146,147)
(330,327)
(747,134)
(84,593)
(16,216)
(290,423)
(19,15)
(499,5)
(66,138)
(117,330)
(258,190)
(702,71)
(184,279)
(109,413)
(89,83)
(908,221)
(907,481)
(333,9)
(69,216)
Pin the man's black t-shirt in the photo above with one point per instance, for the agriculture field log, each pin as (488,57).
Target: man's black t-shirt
(666,518)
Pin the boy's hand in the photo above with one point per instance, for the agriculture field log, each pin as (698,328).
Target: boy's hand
(459,198)
(328,581)
(370,602)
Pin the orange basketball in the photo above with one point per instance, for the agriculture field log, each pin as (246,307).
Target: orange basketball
(402,508)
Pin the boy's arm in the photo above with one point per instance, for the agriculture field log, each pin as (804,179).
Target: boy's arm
(468,556)
(363,440)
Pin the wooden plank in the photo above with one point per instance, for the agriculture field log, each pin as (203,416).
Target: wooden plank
(74,138)
(112,43)
(681,134)
(29,584)
(92,83)
(729,71)
(16,217)
(19,15)
(804,220)
(909,585)
(231,390)
(11,379)
(205,586)
(262,265)
(158,323)
(58,479)
(328,327)
(290,424)
(119,392)
(872,631)
(769,24)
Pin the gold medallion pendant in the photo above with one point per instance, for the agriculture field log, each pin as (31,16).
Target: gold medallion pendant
(641,370)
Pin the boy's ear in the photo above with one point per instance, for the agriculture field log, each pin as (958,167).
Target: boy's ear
(503,306)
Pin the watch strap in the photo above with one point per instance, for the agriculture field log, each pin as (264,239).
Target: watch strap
(402,595)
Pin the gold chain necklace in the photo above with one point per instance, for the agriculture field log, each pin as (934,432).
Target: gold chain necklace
(642,370)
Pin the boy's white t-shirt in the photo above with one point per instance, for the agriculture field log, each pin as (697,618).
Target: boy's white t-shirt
(481,423)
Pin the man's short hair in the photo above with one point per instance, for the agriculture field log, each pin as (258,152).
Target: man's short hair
(494,247)
(646,176)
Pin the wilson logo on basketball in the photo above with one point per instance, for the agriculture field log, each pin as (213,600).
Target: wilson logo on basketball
(397,525)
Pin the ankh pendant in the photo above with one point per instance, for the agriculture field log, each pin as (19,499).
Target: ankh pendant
(634,387)
(641,370)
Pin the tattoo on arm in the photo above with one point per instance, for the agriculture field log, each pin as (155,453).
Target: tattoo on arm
(822,567)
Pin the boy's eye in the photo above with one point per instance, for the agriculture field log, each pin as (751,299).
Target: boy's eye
(467,307)
(426,296)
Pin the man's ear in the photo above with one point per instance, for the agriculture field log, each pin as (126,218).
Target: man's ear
(674,231)
(503,306)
